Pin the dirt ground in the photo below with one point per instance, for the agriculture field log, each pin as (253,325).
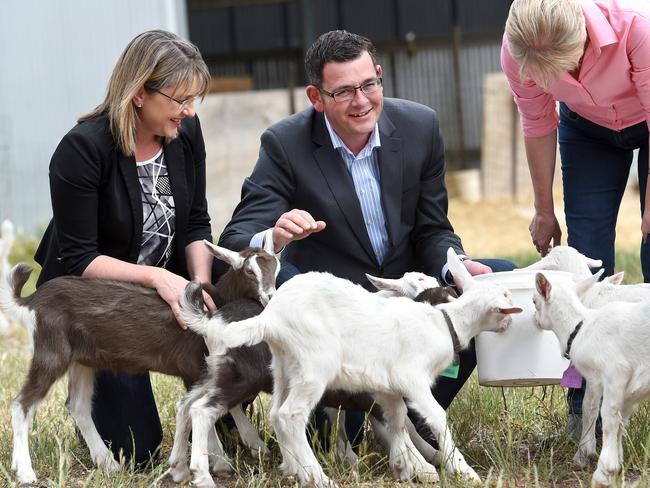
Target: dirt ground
(498,228)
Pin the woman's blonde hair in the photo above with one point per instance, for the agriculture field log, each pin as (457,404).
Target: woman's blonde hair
(546,38)
(153,60)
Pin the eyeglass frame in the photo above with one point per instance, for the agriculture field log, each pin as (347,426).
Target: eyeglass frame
(378,80)
(181,103)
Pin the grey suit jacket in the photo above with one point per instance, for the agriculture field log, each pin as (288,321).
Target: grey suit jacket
(299,168)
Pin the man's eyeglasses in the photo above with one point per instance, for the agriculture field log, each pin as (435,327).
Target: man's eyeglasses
(349,92)
(181,103)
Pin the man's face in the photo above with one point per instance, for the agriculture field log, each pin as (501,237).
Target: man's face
(354,119)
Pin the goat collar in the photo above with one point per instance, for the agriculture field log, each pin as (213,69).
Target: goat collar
(572,336)
(454,336)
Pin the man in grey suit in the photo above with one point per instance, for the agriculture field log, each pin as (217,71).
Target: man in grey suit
(354,184)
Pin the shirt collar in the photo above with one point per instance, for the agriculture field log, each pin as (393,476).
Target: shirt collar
(600,31)
(373,142)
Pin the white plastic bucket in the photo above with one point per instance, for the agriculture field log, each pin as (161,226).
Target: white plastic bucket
(522,355)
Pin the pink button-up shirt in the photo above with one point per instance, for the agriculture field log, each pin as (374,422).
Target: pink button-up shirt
(613,86)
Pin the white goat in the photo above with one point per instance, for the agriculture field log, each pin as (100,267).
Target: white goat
(81,325)
(245,371)
(326,332)
(609,347)
(566,258)
(6,243)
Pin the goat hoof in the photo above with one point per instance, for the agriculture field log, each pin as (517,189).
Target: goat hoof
(180,474)
(221,466)
(288,469)
(428,477)
(203,481)
(601,479)
(26,476)
(319,481)
(581,459)
(260,451)
(471,475)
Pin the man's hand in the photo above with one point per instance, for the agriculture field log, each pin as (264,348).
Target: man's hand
(476,268)
(294,225)
(645,225)
(545,232)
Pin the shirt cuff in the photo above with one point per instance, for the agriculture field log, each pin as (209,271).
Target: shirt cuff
(446,274)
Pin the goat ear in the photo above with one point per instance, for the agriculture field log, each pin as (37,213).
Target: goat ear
(462,278)
(544,263)
(615,279)
(543,286)
(583,286)
(268,245)
(384,283)
(593,263)
(226,255)
(509,310)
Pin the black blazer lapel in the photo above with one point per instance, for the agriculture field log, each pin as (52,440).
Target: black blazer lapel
(390,172)
(133,189)
(340,183)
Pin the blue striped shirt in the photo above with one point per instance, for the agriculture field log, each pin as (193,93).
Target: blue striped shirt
(364,169)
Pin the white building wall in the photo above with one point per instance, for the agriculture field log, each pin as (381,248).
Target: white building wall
(55,60)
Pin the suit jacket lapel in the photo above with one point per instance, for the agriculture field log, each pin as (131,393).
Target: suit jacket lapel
(390,171)
(340,183)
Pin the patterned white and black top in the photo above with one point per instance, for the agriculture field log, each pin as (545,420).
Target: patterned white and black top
(158,213)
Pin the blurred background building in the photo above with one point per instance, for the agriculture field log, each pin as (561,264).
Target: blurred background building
(57,56)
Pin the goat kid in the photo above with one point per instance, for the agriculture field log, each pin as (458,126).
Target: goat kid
(81,325)
(6,243)
(349,339)
(567,258)
(609,347)
(244,372)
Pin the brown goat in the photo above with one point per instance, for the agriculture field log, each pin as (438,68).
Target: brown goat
(81,325)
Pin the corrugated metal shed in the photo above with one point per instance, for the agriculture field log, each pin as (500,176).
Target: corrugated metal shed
(55,61)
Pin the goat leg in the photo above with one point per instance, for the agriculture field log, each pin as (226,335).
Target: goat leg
(247,432)
(590,404)
(81,386)
(436,418)
(405,460)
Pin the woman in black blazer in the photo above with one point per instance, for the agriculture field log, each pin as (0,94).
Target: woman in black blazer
(128,197)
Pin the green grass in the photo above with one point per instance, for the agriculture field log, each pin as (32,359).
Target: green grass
(514,437)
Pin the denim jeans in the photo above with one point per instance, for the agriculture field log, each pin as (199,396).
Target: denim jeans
(595,167)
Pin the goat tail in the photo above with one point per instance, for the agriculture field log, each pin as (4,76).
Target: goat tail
(247,332)
(11,284)
(192,309)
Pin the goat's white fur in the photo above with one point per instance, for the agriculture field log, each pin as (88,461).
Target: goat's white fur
(610,351)
(566,258)
(6,243)
(411,284)
(317,325)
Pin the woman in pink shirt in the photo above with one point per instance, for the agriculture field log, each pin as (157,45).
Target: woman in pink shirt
(592,56)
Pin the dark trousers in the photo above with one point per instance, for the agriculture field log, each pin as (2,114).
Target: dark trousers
(125,414)
(595,167)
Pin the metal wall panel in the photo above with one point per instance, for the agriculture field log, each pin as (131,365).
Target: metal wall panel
(57,57)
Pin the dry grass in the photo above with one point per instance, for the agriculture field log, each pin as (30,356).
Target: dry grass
(506,434)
